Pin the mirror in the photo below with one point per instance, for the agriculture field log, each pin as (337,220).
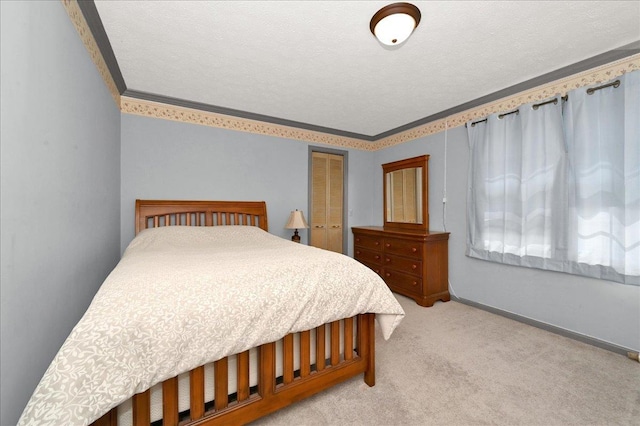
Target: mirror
(406,194)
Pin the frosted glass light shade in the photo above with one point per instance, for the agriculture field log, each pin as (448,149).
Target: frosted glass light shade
(394,29)
(393,24)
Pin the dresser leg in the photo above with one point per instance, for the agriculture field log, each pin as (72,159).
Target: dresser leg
(430,300)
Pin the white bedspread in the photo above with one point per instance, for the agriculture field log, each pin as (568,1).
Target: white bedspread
(184,296)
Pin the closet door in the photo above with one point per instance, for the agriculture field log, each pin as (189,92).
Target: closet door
(327,174)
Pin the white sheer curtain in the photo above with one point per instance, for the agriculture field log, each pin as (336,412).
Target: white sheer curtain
(516,184)
(603,138)
(560,190)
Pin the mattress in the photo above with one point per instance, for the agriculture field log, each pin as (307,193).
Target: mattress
(182,297)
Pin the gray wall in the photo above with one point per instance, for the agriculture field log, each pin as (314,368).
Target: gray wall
(603,310)
(60,206)
(164,159)
(60,160)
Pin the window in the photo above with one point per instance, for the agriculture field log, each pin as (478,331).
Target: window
(558,187)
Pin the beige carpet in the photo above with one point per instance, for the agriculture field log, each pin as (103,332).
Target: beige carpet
(453,364)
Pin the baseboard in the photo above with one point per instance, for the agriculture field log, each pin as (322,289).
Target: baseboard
(548,327)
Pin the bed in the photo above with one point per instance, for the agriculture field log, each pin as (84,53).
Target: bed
(209,319)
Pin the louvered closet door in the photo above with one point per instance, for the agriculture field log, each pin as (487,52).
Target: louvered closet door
(327,176)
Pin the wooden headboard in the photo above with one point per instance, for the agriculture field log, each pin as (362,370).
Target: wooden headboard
(154,213)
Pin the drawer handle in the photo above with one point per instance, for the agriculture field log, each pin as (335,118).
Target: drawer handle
(415,283)
(377,243)
(413,249)
(388,274)
(414,266)
(358,240)
(388,245)
(377,257)
(335,226)
(319,226)
(388,260)
(357,251)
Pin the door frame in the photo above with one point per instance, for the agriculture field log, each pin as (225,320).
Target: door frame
(345,174)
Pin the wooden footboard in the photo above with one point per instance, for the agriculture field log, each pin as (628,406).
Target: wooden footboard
(272,391)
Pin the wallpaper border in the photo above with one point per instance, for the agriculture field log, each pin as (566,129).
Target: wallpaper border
(193,116)
(79,22)
(558,87)
(135,106)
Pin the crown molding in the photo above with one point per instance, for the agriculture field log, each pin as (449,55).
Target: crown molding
(559,87)
(94,22)
(81,26)
(149,105)
(586,65)
(169,101)
(153,109)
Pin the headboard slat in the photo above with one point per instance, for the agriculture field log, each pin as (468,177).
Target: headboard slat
(154,213)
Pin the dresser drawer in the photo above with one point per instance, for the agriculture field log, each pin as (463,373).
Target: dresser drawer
(369,256)
(368,241)
(402,281)
(404,264)
(412,262)
(403,247)
(377,268)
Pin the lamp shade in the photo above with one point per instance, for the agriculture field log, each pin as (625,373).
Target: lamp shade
(296,220)
(393,24)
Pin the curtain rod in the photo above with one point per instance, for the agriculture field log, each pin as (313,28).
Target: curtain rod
(476,122)
(615,85)
(552,101)
(501,116)
(534,106)
(590,91)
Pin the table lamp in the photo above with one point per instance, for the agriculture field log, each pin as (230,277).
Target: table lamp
(296,221)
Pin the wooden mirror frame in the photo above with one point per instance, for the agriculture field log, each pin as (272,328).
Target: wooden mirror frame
(421,161)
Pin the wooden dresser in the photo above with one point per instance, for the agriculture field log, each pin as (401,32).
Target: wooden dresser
(414,263)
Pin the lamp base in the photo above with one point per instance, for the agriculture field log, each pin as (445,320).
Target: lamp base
(295,238)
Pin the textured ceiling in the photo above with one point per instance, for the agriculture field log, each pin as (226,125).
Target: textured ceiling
(316,62)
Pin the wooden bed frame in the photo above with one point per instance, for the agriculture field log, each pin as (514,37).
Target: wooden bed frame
(271,392)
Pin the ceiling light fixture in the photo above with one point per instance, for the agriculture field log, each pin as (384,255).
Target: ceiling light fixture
(394,23)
